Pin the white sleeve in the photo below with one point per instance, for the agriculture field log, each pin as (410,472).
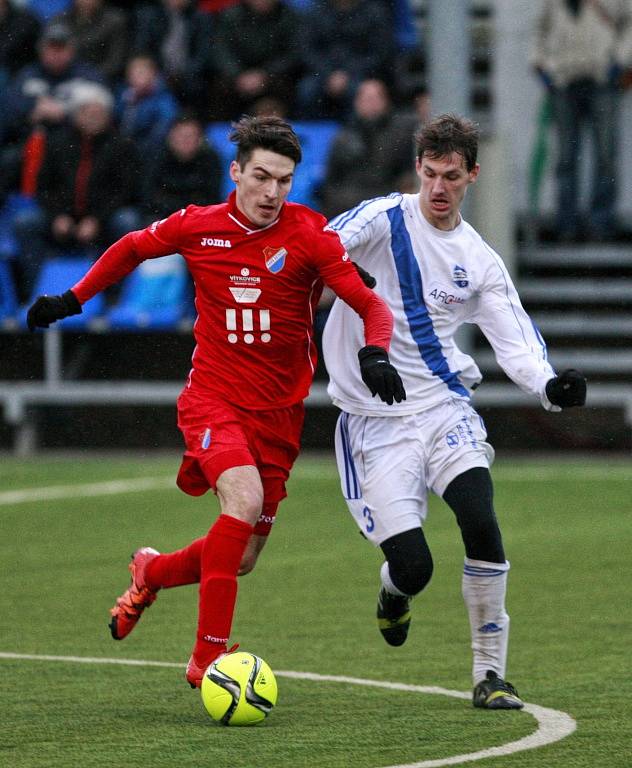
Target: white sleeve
(517,343)
(363,223)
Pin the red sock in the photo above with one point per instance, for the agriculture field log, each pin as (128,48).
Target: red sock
(223,549)
(175,569)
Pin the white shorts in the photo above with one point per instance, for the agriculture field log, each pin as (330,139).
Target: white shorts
(388,464)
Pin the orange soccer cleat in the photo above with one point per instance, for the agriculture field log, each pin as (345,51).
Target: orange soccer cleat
(198,665)
(130,606)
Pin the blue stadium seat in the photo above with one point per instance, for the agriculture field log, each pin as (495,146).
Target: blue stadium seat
(8,297)
(316,139)
(14,204)
(57,275)
(46,9)
(156,296)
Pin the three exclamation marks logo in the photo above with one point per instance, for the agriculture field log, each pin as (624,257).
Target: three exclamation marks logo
(244,321)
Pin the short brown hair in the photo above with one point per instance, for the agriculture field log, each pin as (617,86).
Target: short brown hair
(446,134)
(266,132)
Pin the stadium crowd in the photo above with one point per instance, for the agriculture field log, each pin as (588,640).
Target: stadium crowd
(105,108)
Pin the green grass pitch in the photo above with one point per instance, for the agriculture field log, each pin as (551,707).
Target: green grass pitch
(309,607)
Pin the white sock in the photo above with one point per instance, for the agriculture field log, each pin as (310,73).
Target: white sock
(484,586)
(386,581)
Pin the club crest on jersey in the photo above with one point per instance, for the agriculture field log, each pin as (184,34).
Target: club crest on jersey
(459,276)
(275,258)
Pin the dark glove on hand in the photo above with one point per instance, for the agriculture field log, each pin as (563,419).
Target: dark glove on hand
(567,389)
(380,376)
(367,279)
(46,309)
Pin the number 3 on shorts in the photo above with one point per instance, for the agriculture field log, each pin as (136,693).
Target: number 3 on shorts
(370,522)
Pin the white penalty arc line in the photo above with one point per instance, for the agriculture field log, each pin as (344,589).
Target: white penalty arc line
(553,725)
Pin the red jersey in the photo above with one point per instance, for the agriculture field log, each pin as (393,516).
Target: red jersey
(256,291)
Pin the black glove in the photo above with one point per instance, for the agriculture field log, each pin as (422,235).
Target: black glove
(46,309)
(567,389)
(380,376)
(367,279)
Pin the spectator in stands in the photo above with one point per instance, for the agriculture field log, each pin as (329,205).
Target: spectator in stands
(371,155)
(187,171)
(345,42)
(257,54)
(145,107)
(40,93)
(580,50)
(100,33)
(179,38)
(86,186)
(37,103)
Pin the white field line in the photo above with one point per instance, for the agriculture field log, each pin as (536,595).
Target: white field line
(585,473)
(71,491)
(553,725)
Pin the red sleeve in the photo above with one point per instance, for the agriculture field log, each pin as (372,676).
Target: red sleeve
(374,311)
(340,275)
(123,256)
(119,260)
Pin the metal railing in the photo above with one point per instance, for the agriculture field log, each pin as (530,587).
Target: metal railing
(19,398)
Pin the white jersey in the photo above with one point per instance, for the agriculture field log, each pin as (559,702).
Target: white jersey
(433,281)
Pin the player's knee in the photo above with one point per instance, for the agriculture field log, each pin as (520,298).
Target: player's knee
(240,493)
(409,561)
(244,505)
(411,577)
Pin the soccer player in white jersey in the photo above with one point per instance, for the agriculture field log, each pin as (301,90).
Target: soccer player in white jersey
(436,273)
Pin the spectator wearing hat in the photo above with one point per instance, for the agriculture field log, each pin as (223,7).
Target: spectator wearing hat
(37,104)
(100,34)
(86,187)
(41,92)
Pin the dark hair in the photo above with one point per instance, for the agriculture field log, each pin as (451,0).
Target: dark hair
(446,134)
(266,132)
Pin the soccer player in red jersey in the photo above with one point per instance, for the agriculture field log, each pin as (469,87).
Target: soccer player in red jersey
(259,265)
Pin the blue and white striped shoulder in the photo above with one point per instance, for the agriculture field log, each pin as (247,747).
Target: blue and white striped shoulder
(366,211)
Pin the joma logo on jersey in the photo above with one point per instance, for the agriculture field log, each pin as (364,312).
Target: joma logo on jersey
(216,242)
(446,298)
(275,258)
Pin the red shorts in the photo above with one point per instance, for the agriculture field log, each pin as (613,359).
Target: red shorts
(219,436)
